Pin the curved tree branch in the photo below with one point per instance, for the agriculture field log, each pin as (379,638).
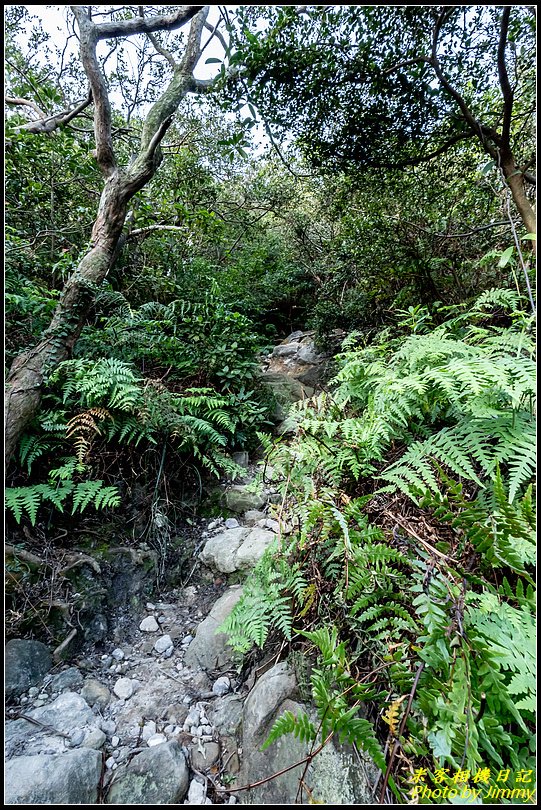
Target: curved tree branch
(102,108)
(26,103)
(147,25)
(157,46)
(52,122)
(484,133)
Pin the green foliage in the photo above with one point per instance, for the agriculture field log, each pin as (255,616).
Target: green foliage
(349,82)
(196,340)
(299,725)
(269,601)
(445,609)
(105,400)
(27,500)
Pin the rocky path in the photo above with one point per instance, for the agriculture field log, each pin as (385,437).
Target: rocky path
(165,712)
(153,719)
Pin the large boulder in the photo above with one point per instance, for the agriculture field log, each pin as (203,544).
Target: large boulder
(209,650)
(239,499)
(220,552)
(68,778)
(68,716)
(157,776)
(236,549)
(333,777)
(26,662)
(253,548)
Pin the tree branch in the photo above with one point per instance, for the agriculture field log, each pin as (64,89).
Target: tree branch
(407,63)
(507,92)
(416,161)
(152,228)
(499,224)
(193,46)
(214,33)
(161,114)
(482,131)
(102,108)
(25,102)
(46,125)
(159,48)
(147,25)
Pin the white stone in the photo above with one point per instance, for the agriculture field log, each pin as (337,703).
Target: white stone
(232,523)
(163,643)
(123,688)
(192,718)
(197,793)
(149,730)
(149,625)
(118,654)
(156,739)
(115,741)
(109,726)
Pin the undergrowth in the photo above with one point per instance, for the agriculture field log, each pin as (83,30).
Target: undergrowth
(410,576)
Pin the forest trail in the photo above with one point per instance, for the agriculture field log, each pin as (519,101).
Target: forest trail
(161,709)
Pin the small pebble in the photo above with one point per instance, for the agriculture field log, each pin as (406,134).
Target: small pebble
(94,739)
(187,639)
(115,741)
(149,730)
(231,523)
(109,762)
(118,654)
(38,703)
(33,691)
(150,606)
(169,652)
(168,729)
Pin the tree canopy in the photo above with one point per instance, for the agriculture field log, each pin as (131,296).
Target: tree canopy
(395,86)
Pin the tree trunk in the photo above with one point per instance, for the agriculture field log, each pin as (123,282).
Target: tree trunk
(515,182)
(29,370)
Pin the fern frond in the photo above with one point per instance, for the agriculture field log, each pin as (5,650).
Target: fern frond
(299,725)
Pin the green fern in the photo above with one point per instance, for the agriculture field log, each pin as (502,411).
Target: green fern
(299,725)
(27,500)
